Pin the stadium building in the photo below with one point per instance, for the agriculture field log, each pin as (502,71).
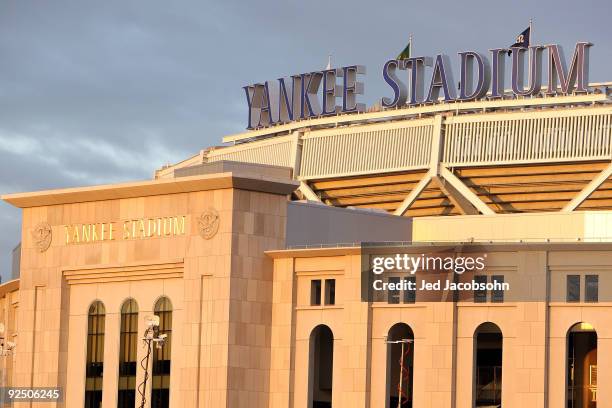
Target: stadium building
(242,267)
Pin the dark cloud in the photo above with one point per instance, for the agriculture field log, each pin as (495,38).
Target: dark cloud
(98,92)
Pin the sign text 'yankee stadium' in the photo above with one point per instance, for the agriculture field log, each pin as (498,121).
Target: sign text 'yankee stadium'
(316,94)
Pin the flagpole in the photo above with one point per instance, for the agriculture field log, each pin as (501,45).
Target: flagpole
(410,40)
(531,31)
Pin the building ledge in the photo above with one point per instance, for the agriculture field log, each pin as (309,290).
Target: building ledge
(9,286)
(146,188)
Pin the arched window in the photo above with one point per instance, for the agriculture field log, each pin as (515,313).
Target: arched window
(127,354)
(400,363)
(582,366)
(160,397)
(488,365)
(95,355)
(321,365)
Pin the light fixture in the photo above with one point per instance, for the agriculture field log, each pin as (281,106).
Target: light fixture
(151,337)
(6,347)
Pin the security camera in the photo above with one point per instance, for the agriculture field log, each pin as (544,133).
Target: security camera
(152,321)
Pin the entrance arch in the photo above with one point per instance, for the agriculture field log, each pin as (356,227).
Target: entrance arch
(581,366)
(400,364)
(321,365)
(487,380)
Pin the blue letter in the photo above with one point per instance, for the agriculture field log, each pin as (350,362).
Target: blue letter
(265,111)
(417,66)
(309,89)
(467,76)
(351,88)
(286,108)
(535,70)
(578,72)
(399,89)
(439,79)
(250,90)
(498,72)
(330,93)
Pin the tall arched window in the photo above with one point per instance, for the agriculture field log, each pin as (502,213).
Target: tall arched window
(400,363)
(95,355)
(582,366)
(321,368)
(160,397)
(127,354)
(488,365)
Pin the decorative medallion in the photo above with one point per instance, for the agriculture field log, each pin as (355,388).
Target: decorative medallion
(42,236)
(208,223)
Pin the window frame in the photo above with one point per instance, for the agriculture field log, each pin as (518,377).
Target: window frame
(568,292)
(481,295)
(315,292)
(497,296)
(160,379)
(588,290)
(330,292)
(128,337)
(94,358)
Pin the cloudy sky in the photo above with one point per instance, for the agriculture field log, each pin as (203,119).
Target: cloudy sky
(101,92)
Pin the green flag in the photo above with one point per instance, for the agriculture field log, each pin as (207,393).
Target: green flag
(405,52)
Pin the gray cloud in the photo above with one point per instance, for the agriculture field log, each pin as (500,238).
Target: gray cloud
(98,92)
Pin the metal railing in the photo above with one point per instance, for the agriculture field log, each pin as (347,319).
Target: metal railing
(367,149)
(520,139)
(470,139)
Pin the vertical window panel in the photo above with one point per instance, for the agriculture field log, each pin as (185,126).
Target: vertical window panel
(497,296)
(315,292)
(393,296)
(128,338)
(410,295)
(591,288)
(480,295)
(160,395)
(573,288)
(94,366)
(330,291)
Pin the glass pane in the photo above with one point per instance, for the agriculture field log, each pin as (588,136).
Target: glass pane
(573,288)
(393,295)
(315,292)
(497,295)
(94,366)
(591,288)
(410,295)
(480,296)
(330,291)
(127,354)
(161,357)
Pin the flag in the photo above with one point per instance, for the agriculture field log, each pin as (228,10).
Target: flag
(522,40)
(405,52)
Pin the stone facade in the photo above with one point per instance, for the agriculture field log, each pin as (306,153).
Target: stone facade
(243,316)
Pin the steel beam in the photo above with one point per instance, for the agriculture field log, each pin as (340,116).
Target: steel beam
(462,203)
(464,191)
(308,193)
(416,191)
(588,189)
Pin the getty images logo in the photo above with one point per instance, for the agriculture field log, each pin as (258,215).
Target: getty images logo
(434,263)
